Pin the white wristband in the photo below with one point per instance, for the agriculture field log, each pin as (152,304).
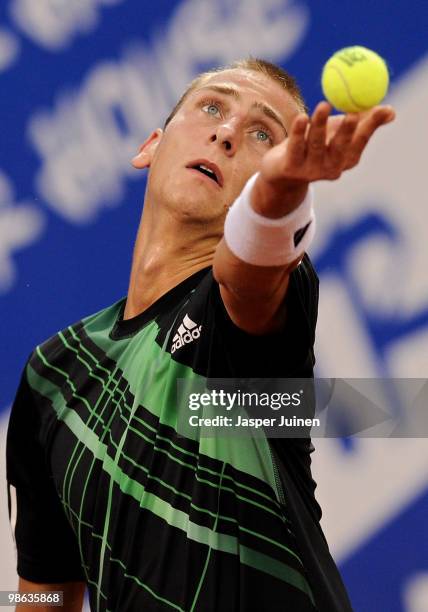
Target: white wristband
(262,241)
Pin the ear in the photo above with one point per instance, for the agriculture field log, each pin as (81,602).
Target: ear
(144,157)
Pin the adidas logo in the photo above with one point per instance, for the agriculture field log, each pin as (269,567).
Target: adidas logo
(186,333)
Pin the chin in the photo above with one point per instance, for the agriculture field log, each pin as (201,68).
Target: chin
(196,205)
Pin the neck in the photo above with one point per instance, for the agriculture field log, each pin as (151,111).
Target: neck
(167,251)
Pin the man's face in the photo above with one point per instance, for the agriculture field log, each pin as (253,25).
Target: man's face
(216,141)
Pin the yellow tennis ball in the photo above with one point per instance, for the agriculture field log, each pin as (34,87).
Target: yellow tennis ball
(354,79)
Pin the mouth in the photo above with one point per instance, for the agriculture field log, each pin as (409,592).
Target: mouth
(209,169)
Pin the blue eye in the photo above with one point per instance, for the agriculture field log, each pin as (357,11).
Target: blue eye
(211,109)
(262,136)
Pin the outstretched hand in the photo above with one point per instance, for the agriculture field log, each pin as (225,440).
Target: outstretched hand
(319,148)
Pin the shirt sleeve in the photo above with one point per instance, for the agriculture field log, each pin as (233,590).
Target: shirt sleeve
(288,353)
(47,549)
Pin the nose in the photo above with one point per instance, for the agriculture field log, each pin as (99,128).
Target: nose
(226,135)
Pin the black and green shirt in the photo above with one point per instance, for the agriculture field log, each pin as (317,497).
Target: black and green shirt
(108,492)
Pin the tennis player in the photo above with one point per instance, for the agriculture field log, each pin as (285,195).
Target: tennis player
(104,492)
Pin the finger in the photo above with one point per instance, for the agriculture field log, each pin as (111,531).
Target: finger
(368,124)
(338,146)
(317,133)
(296,143)
(387,113)
(333,124)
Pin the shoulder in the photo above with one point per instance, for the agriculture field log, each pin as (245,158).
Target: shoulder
(59,342)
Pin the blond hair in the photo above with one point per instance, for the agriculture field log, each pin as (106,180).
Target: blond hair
(276,73)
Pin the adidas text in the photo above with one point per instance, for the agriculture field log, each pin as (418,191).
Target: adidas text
(186,333)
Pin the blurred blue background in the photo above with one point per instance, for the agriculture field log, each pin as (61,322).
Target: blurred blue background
(83,83)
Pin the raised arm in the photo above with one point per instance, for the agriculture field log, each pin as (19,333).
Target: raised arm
(318,148)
